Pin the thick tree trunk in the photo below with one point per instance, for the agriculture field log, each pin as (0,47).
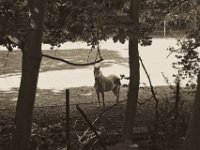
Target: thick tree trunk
(30,70)
(134,74)
(192,141)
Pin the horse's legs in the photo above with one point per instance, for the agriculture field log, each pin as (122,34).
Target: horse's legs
(98,96)
(118,90)
(102,93)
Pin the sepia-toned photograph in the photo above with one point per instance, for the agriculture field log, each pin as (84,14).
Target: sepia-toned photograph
(99,75)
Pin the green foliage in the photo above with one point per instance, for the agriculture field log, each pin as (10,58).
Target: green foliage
(188,53)
(178,14)
(13,18)
(87,20)
(81,20)
(47,137)
(168,130)
(188,60)
(94,20)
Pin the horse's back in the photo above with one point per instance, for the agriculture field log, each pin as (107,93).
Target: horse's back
(115,79)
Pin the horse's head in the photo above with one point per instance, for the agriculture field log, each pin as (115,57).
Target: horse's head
(97,72)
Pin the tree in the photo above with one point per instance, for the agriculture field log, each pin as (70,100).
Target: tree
(134,73)
(30,69)
(193,130)
(160,9)
(188,64)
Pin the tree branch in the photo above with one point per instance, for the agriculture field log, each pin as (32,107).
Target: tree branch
(91,127)
(101,115)
(71,63)
(151,86)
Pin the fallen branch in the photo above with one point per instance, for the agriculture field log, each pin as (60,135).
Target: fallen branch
(109,108)
(91,126)
(100,115)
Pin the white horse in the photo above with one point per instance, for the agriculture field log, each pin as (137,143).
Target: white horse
(105,84)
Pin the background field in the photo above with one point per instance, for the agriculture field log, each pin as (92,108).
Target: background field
(11,63)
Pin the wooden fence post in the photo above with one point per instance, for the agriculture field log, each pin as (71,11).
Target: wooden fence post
(67,120)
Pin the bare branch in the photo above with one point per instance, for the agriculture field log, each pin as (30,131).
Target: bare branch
(71,63)
(89,53)
(170,54)
(151,86)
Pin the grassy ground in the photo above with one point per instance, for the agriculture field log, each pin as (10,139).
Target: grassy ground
(49,111)
(49,114)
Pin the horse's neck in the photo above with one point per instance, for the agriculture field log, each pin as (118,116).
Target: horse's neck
(102,76)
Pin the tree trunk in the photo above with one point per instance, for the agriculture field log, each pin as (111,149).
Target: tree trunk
(193,132)
(30,69)
(134,73)
(192,141)
(177,99)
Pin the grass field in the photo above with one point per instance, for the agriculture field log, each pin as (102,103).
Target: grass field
(49,113)
(11,63)
(49,116)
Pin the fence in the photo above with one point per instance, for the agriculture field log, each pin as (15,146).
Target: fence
(50,123)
